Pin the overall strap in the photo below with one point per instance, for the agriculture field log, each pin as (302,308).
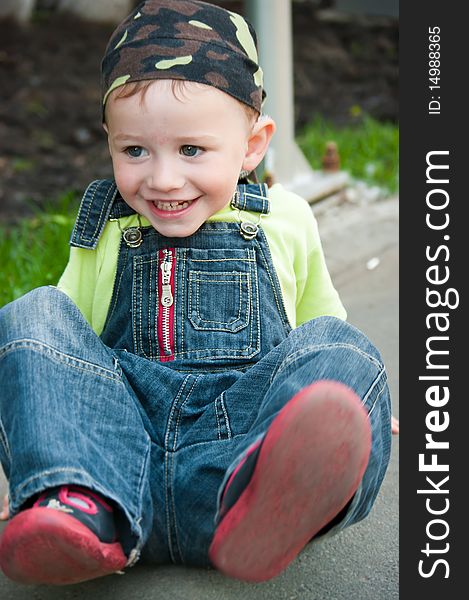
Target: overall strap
(252,197)
(101,201)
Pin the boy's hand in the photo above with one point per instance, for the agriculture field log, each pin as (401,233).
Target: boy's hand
(4,514)
(394,426)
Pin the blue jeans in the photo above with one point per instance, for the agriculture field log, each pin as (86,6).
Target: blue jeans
(160,442)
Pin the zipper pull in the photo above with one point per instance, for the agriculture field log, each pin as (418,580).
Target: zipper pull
(166,296)
(166,267)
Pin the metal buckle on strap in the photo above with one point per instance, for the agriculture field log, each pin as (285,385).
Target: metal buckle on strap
(248,230)
(132,235)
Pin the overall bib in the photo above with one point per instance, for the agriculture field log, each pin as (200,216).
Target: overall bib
(195,360)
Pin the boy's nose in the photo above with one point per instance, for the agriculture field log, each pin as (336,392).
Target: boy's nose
(165,176)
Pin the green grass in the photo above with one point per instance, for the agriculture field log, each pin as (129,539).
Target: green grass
(368,149)
(35,251)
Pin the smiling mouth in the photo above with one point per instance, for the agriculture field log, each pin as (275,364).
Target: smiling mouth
(172,206)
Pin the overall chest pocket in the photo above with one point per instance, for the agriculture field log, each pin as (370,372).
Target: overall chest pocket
(219,309)
(219,300)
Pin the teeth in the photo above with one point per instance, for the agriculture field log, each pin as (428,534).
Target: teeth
(169,206)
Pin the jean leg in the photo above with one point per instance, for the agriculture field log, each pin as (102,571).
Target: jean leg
(67,414)
(326,348)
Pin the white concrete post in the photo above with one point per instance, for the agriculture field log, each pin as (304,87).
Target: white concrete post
(18,9)
(272,21)
(103,11)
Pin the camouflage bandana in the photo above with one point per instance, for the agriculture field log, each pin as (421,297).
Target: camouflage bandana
(188,40)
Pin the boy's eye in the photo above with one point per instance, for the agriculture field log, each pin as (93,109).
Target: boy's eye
(188,150)
(134,151)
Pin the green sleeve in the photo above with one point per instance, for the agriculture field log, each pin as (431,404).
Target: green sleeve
(298,258)
(89,276)
(316,295)
(79,279)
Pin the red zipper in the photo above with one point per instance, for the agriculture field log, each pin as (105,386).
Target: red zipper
(167,267)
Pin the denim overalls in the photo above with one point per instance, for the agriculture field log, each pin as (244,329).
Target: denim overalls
(195,360)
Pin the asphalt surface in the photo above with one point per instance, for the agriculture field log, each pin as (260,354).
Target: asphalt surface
(360,240)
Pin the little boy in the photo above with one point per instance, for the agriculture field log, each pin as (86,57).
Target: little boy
(189,392)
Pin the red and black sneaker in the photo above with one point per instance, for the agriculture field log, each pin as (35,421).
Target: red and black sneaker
(292,484)
(67,536)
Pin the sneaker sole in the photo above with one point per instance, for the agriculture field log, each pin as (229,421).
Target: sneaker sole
(310,465)
(46,546)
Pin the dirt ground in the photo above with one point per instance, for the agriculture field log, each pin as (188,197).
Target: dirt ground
(51,138)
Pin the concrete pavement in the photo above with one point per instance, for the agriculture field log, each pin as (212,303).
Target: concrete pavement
(361,245)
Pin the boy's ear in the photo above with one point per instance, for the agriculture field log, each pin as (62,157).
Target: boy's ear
(105,127)
(258,142)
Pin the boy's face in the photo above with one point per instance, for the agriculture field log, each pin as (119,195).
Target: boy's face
(176,160)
